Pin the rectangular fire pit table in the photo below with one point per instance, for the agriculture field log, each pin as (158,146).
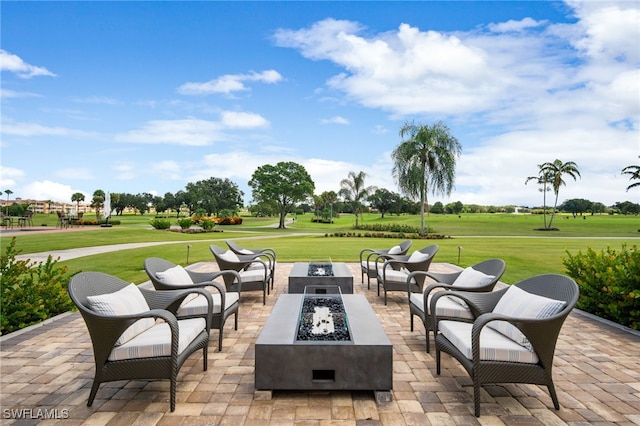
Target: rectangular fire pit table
(341,277)
(365,362)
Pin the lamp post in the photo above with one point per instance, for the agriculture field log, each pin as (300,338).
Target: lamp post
(459,250)
(188,248)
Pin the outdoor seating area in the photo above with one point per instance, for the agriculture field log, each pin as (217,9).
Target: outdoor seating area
(596,374)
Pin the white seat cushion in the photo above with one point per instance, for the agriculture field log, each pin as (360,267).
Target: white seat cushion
(230,256)
(445,307)
(494,346)
(518,303)
(417,257)
(175,276)
(156,341)
(252,275)
(199,306)
(395,250)
(391,275)
(127,301)
(470,278)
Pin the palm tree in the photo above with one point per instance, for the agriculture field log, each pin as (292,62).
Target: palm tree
(634,172)
(554,171)
(77,197)
(329,197)
(542,179)
(8,192)
(354,191)
(425,161)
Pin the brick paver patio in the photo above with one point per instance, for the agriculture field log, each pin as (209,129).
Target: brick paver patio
(47,371)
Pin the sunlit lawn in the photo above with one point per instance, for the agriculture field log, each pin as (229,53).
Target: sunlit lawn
(513,238)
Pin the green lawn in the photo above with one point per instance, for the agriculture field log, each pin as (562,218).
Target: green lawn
(511,237)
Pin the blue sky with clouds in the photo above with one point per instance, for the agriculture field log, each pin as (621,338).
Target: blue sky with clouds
(148,96)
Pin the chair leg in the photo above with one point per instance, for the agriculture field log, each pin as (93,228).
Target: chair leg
(554,397)
(411,315)
(172,395)
(220,338)
(92,394)
(476,398)
(235,325)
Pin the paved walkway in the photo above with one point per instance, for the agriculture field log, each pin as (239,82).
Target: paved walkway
(48,370)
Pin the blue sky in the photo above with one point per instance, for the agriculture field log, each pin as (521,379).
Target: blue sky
(148,96)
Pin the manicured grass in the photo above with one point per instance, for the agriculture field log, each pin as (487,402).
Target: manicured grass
(526,251)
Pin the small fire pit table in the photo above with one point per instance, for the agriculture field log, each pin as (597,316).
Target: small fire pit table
(319,274)
(304,345)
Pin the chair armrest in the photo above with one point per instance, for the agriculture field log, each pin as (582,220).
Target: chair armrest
(446,278)
(170,300)
(367,252)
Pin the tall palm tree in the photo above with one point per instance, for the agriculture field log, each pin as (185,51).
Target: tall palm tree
(634,172)
(543,179)
(555,171)
(353,190)
(329,197)
(77,197)
(425,161)
(8,192)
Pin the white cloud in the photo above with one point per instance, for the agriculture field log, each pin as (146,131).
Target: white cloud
(48,190)
(229,83)
(516,26)
(610,30)
(15,64)
(191,131)
(335,120)
(34,129)
(83,173)
(102,100)
(10,94)
(9,177)
(243,120)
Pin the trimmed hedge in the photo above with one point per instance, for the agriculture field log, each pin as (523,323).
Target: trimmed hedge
(609,283)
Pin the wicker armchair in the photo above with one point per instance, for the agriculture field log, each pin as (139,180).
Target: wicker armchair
(370,257)
(254,273)
(268,255)
(158,352)
(491,271)
(513,338)
(224,303)
(393,273)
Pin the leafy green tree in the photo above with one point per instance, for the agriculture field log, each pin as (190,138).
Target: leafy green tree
(329,197)
(77,198)
(437,208)
(97,202)
(352,189)
(287,182)
(555,171)
(576,206)
(425,161)
(382,200)
(215,195)
(634,173)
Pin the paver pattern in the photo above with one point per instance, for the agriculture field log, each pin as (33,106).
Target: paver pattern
(48,370)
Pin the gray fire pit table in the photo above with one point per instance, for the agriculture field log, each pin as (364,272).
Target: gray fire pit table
(299,278)
(284,363)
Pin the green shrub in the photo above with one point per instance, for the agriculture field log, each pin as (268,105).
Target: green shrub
(393,227)
(158,223)
(609,283)
(185,223)
(31,293)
